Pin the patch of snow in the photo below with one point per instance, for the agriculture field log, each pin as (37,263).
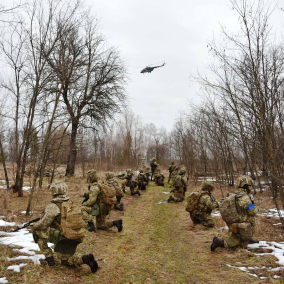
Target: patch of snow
(16,267)
(165,192)
(23,239)
(6,224)
(26,188)
(3,280)
(277,224)
(277,249)
(272,213)
(161,202)
(223,228)
(216,214)
(276,276)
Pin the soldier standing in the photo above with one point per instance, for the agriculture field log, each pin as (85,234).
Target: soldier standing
(172,167)
(142,181)
(51,222)
(242,231)
(154,166)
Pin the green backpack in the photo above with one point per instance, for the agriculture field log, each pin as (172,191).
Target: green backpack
(192,202)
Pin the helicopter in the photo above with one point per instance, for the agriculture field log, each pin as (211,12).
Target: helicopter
(149,69)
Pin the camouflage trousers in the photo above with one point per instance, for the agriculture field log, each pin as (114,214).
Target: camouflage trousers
(118,202)
(102,224)
(74,260)
(206,222)
(86,214)
(236,239)
(179,195)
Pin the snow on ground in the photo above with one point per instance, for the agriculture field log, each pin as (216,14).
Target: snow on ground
(6,224)
(166,192)
(21,241)
(3,280)
(216,214)
(207,179)
(277,249)
(272,213)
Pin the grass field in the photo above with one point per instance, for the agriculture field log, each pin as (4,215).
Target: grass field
(158,244)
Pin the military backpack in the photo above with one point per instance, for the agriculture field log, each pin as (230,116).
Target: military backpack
(193,201)
(70,223)
(228,209)
(177,181)
(108,194)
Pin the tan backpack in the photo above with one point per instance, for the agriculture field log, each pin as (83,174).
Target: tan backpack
(228,209)
(108,194)
(72,224)
(192,202)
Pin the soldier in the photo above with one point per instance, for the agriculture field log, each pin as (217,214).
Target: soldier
(147,175)
(159,178)
(172,167)
(154,166)
(241,232)
(119,192)
(50,222)
(179,183)
(142,181)
(129,182)
(205,204)
(93,209)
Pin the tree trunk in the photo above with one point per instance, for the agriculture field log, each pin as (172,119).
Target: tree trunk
(70,170)
(4,163)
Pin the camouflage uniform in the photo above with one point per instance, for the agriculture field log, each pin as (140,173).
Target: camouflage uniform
(147,175)
(119,192)
(243,201)
(100,210)
(206,205)
(154,166)
(129,182)
(142,181)
(247,212)
(172,167)
(51,219)
(159,178)
(179,183)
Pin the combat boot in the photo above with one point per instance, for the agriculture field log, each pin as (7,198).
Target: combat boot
(171,199)
(90,261)
(48,260)
(121,207)
(91,227)
(138,192)
(217,243)
(118,224)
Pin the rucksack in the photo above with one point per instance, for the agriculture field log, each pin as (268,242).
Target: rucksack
(72,224)
(192,202)
(108,194)
(228,209)
(177,182)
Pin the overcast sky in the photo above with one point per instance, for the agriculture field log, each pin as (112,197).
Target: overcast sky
(149,32)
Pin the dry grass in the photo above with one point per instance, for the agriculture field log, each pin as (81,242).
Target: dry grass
(157,245)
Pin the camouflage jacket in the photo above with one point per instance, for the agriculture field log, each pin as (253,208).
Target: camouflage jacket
(51,212)
(172,168)
(243,201)
(93,195)
(179,181)
(207,202)
(116,185)
(141,178)
(128,177)
(154,165)
(159,176)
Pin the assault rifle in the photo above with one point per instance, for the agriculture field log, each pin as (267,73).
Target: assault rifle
(26,225)
(120,176)
(86,195)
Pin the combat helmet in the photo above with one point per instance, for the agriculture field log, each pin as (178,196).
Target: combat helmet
(153,159)
(181,171)
(109,175)
(92,176)
(207,186)
(58,188)
(129,171)
(244,180)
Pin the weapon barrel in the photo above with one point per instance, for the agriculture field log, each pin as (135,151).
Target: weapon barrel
(26,225)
